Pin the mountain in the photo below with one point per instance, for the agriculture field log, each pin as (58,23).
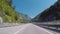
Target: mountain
(8,13)
(50,14)
(25,18)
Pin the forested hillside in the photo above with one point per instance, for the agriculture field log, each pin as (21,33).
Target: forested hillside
(8,12)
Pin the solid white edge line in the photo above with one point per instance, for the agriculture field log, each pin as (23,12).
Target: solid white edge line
(21,29)
(34,25)
(44,30)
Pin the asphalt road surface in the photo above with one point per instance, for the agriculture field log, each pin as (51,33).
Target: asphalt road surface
(24,29)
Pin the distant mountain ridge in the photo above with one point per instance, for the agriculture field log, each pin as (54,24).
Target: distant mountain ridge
(50,14)
(25,17)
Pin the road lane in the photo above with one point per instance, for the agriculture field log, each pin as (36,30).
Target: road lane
(33,29)
(24,29)
(11,30)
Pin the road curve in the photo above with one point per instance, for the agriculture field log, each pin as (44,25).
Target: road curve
(24,29)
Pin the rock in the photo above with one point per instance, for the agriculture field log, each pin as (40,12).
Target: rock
(50,14)
(1,20)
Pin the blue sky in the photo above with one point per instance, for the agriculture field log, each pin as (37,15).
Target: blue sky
(32,7)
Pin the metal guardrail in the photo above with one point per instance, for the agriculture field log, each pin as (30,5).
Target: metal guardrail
(55,24)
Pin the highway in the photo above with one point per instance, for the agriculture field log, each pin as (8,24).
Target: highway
(25,29)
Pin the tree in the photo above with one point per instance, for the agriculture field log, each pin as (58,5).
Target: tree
(9,2)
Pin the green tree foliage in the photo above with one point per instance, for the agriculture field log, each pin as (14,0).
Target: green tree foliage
(9,13)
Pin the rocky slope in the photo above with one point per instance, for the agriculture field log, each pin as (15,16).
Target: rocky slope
(8,13)
(50,14)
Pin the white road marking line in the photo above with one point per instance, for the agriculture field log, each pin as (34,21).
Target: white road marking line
(34,25)
(44,30)
(21,29)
